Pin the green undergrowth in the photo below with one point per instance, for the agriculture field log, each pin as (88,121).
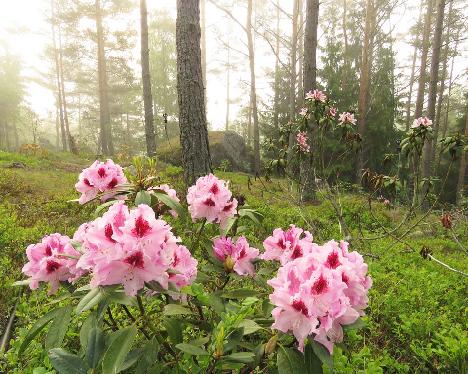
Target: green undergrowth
(416,321)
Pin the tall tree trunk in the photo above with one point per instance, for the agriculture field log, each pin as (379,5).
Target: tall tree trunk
(57,74)
(462,170)
(422,71)
(440,95)
(57,127)
(344,78)
(413,69)
(292,80)
(190,91)
(146,79)
(203,47)
(309,83)
(253,91)
(105,135)
(364,82)
(434,78)
(277,74)
(300,60)
(228,82)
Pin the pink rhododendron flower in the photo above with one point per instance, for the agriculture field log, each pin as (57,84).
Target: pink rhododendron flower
(332,111)
(387,202)
(210,198)
(316,294)
(301,139)
(288,245)
(236,256)
(316,95)
(347,117)
(421,122)
(169,192)
(100,177)
(131,247)
(303,112)
(52,260)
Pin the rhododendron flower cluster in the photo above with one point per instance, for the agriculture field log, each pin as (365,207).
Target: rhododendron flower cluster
(100,177)
(421,122)
(317,293)
(316,95)
(332,111)
(301,139)
(237,256)
(347,117)
(304,112)
(288,245)
(131,247)
(52,260)
(210,198)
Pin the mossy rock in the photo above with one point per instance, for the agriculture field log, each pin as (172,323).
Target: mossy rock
(224,145)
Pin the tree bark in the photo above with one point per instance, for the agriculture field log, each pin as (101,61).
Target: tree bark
(309,83)
(228,82)
(277,74)
(422,71)
(462,170)
(413,69)
(253,91)
(190,91)
(146,79)
(366,66)
(434,78)
(105,134)
(344,78)
(203,47)
(300,59)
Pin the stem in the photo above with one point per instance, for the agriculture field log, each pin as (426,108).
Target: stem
(142,328)
(111,317)
(447,266)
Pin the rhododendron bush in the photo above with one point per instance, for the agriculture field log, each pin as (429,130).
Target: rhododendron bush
(159,282)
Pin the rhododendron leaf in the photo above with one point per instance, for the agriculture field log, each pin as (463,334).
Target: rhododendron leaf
(192,349)
(119,297)
(143,197)
(249,326)
(115,355)
(233,339)
(92,298)
(171,203)
(176,309)
(66,363)
(132,358)
(322,353)
(86,327)
(244,357)
(95,347)
(227,226)
(101,207)
(58,328)
(358,324)
(289,361)
(312,362)
(37,328)
(252,214)
(174,329)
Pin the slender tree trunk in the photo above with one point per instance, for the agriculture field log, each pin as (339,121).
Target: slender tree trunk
(253,91)
(277,74)
(292,80)
(249,124)
(228,81)
(57,73)
(366,66)
(146,79)
(462,170)
(203,47)
(422,71)
(105,135)
(344,78)
(309,83)
(413,69)
(434,78)
(190,91)
(57,128)
(440,95)
(300,66)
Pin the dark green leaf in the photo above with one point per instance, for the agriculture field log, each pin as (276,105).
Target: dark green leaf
(67,363)
(58,328)
(95,347)
(289,361)
(244,357)
(93,297)
(176,309)
(322,353)
(191,349)
(358,324)
(249,326)
(115,355)
(143,197)
(174,330)
(171,203)
(239,294)
(312,362)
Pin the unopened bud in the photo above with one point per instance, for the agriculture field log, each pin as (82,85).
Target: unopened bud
(271,344)
(229,264)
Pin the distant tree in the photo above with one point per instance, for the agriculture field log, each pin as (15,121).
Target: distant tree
(146,79)
(461,184)
(192,118)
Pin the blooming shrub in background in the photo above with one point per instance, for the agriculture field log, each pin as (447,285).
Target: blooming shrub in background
(157,288)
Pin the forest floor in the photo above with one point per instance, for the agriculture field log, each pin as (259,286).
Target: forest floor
(417,317)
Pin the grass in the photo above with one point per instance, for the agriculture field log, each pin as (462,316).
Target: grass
(416,321)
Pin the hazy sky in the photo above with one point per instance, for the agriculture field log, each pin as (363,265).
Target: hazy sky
(24,32)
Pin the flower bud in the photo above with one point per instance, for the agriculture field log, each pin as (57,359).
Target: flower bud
(229,264)
(271,344)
